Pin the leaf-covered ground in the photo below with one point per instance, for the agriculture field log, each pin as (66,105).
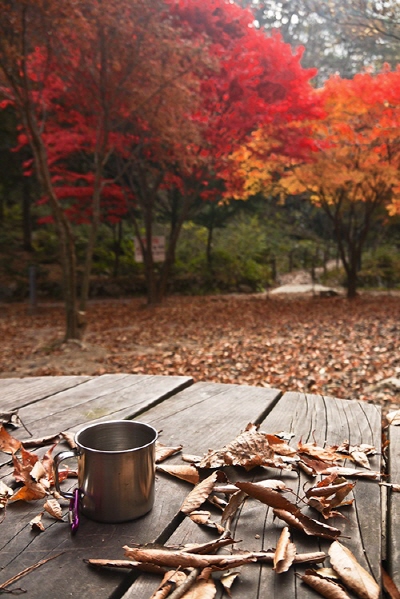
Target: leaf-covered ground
(328,346)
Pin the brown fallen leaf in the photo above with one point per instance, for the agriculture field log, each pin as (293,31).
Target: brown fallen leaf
(8,444)
(125,564)
(351,472)
(235,501)
(29,493)
(171,580)
(46,440)
(284,553)
(353,575)
(204,518)
(69,438)
(53,508)
(326,454)
(36,522)
(326,587)
(249,449)
(175,559)
(288,511)
(227,581)
(389,585)
(163,452)
(329,494)
(187,472)
(209,546)
(199,494)
(308,525)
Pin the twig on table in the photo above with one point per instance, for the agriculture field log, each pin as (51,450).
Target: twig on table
(4,585)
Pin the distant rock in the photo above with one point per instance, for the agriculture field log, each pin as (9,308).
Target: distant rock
(315,289)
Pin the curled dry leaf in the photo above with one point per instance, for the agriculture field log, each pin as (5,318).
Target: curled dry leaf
(209,546)
(329,494)
(163,452)
(351,472)
(288,511)
(326,454)
(69,438)
(249,449)
(125,564)
(354,576)
(234,504)
(285,552)
(204,518)
(46,440)
(8,444)
(36,523)
(38,471)
(326,587)
(199,494)
(176,559)
(308,525)
(53,508)
(186,472)
(227,581)
(29,493)
(280,446)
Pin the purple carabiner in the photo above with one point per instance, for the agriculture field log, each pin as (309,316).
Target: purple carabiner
(73,513)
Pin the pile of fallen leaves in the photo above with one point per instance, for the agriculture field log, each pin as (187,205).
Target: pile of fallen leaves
(330,346)
(193,565)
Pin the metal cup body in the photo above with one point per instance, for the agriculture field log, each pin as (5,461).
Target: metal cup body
(116,470)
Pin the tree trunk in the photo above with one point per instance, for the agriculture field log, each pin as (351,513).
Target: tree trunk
(74,328)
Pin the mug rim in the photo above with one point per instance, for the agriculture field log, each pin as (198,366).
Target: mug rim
(115,451)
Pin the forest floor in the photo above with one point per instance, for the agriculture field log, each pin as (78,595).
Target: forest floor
(332,346)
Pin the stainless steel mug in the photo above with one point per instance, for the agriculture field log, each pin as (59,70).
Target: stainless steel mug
(116,470)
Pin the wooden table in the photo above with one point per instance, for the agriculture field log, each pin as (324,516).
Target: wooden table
(198,417)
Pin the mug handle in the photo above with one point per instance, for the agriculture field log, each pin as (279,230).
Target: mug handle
(60,457)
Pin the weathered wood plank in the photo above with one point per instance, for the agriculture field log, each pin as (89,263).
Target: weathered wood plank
(111,396)
(393,531)
(197,417)
(19,392)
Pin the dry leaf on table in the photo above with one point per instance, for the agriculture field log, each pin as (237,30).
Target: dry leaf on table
(324,586)
(204,518)
(163,452)
(186,472)
(249,449)
(199,494)
(8,444)
(285,552)
(227,581)
(53,508)
(183,559)
(37,523)
(353,575)
(288,511)
(329,494)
